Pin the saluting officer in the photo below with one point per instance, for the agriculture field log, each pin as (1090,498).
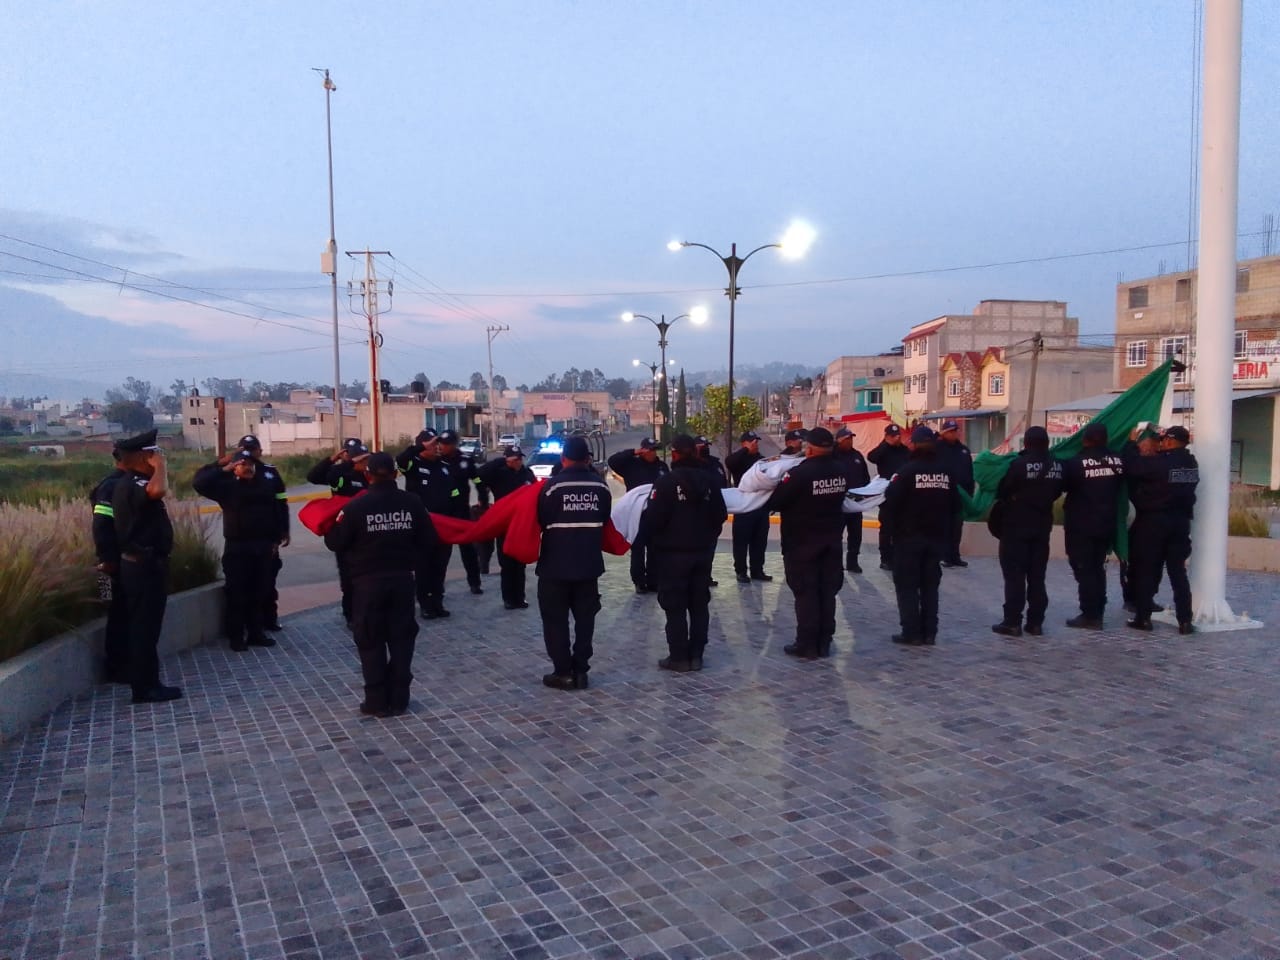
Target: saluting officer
(252,529)
(1163,490)
(465,472)
(750,527)
(923,497)
(686,513)
(429,478)
(1093,480)
(855,466)
(888,456)
(343,473)
(107,549)
(809,499)
(384,534)
(636,468)
(573,507)
(145,537)
(957,458)
(1027,492)
(502,476)
(271,474)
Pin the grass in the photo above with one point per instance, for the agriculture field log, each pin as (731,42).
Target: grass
(1249,513)
(47,579)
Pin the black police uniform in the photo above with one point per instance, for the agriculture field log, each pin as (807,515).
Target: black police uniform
(145,537)
(1162,489)
(434,483)
(636,472)
(343,480)
(573,507)
(686,513)
(855,467)
(957,458)
(1028,490)
(809,499)
(1094,483)
(888,458)
(923,497)
(383,535)
(499,479)
(271,598)
(107,550)
(751,527)
(252,529)
(465,473)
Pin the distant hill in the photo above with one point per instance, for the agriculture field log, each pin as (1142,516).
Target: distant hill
(776,373)
(57,389)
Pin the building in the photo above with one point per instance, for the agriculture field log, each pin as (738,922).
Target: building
(892,400)
(1155,319)
(853,384)
(993,323)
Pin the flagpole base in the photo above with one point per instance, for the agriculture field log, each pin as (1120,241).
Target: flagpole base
(1214,617)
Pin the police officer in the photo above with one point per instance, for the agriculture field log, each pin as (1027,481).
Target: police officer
(252,530)
(715,473)
(573,507)
(888,456)
(809,498)
(1163,491)
(1027,493)
(344,475)
(271,474)
(636,468)
(429,478)
(145,537)
(116,633)
(686,513)
(855,466)
(502,476)
(793,443)
(464,470)
(383,534)
(751,527)
(957,458)
(923,497)
(1148,445)
(1093,481)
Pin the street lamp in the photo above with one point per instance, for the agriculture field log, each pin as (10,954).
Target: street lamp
(794,244)
(329,262)
(697,315)
(655,371)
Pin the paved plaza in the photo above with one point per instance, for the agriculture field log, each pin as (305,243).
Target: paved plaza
(1109,795)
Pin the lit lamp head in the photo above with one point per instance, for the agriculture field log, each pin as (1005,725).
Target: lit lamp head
(797,240)
(628,317)
(675,245)
(698,315)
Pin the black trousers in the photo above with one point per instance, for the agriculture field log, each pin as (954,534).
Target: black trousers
(750,540)
(116,632)
(484,550)
(145,584)
(684,593)
(470,562)
(512,576)
(953,543)
(271,601)
(429,575)
(815,575)
(344,584)
(1087,554)
(644,569)
(247,566)
(853,527)
(886,535)
(385,632)
(557,600)
(1023,561)
(917,572)
(1160,541)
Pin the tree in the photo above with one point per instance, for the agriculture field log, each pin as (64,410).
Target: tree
(713,421)
(664,408)
(139,390)
(448,385)
(133,416)
(499,382)
(478,382)
(619,388)
(232,390)
(682,406)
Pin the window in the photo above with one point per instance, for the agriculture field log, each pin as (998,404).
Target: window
(995,384)
(1182,291)
(1137,297)
(1242,344)
(953,386)
(1242,280)
(921,382)
(875,398)
(1135,354)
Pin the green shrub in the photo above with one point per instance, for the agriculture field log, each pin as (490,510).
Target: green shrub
(1248,514)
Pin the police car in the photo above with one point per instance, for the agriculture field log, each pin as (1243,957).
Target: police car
(547,456)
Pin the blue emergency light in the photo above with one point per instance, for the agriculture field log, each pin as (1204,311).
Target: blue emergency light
(551,446)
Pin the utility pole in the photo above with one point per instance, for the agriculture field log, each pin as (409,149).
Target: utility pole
(1037,345)
(371,308)
(492,332)
(329,263)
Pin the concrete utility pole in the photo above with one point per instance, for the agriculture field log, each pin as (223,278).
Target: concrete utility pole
(1037,347)
(329,263)
(492,332)
(372,308)
(1216,313)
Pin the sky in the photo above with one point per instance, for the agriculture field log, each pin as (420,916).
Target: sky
(165,198)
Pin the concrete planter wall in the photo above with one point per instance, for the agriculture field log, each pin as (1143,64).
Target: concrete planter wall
(38,680)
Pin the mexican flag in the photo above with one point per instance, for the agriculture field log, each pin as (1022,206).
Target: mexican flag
(1143,401)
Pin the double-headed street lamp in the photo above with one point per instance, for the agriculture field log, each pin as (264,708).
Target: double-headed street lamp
(697,315)
(655,371)
(794,243)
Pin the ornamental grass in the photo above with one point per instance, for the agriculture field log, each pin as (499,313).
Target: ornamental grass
(48,583)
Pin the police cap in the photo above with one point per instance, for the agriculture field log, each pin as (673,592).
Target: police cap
(923,434)
(646,444)
(1095,433)
(425,435)
(844,432)
(820,437)
(796,435)
(240,456)
(143,441)
(684,445)
(1037,437)
(354,446)
(381,465)
(748,437)
(512,451)
(893,430)
(448,437)
(1179,433)
(949,425)
(576,449)
(250,442)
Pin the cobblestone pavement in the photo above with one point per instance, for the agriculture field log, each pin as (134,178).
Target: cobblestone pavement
(1081,795)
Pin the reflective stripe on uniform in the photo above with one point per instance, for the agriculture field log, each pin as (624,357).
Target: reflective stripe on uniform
(103,510)
(556,526)
(282,496)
